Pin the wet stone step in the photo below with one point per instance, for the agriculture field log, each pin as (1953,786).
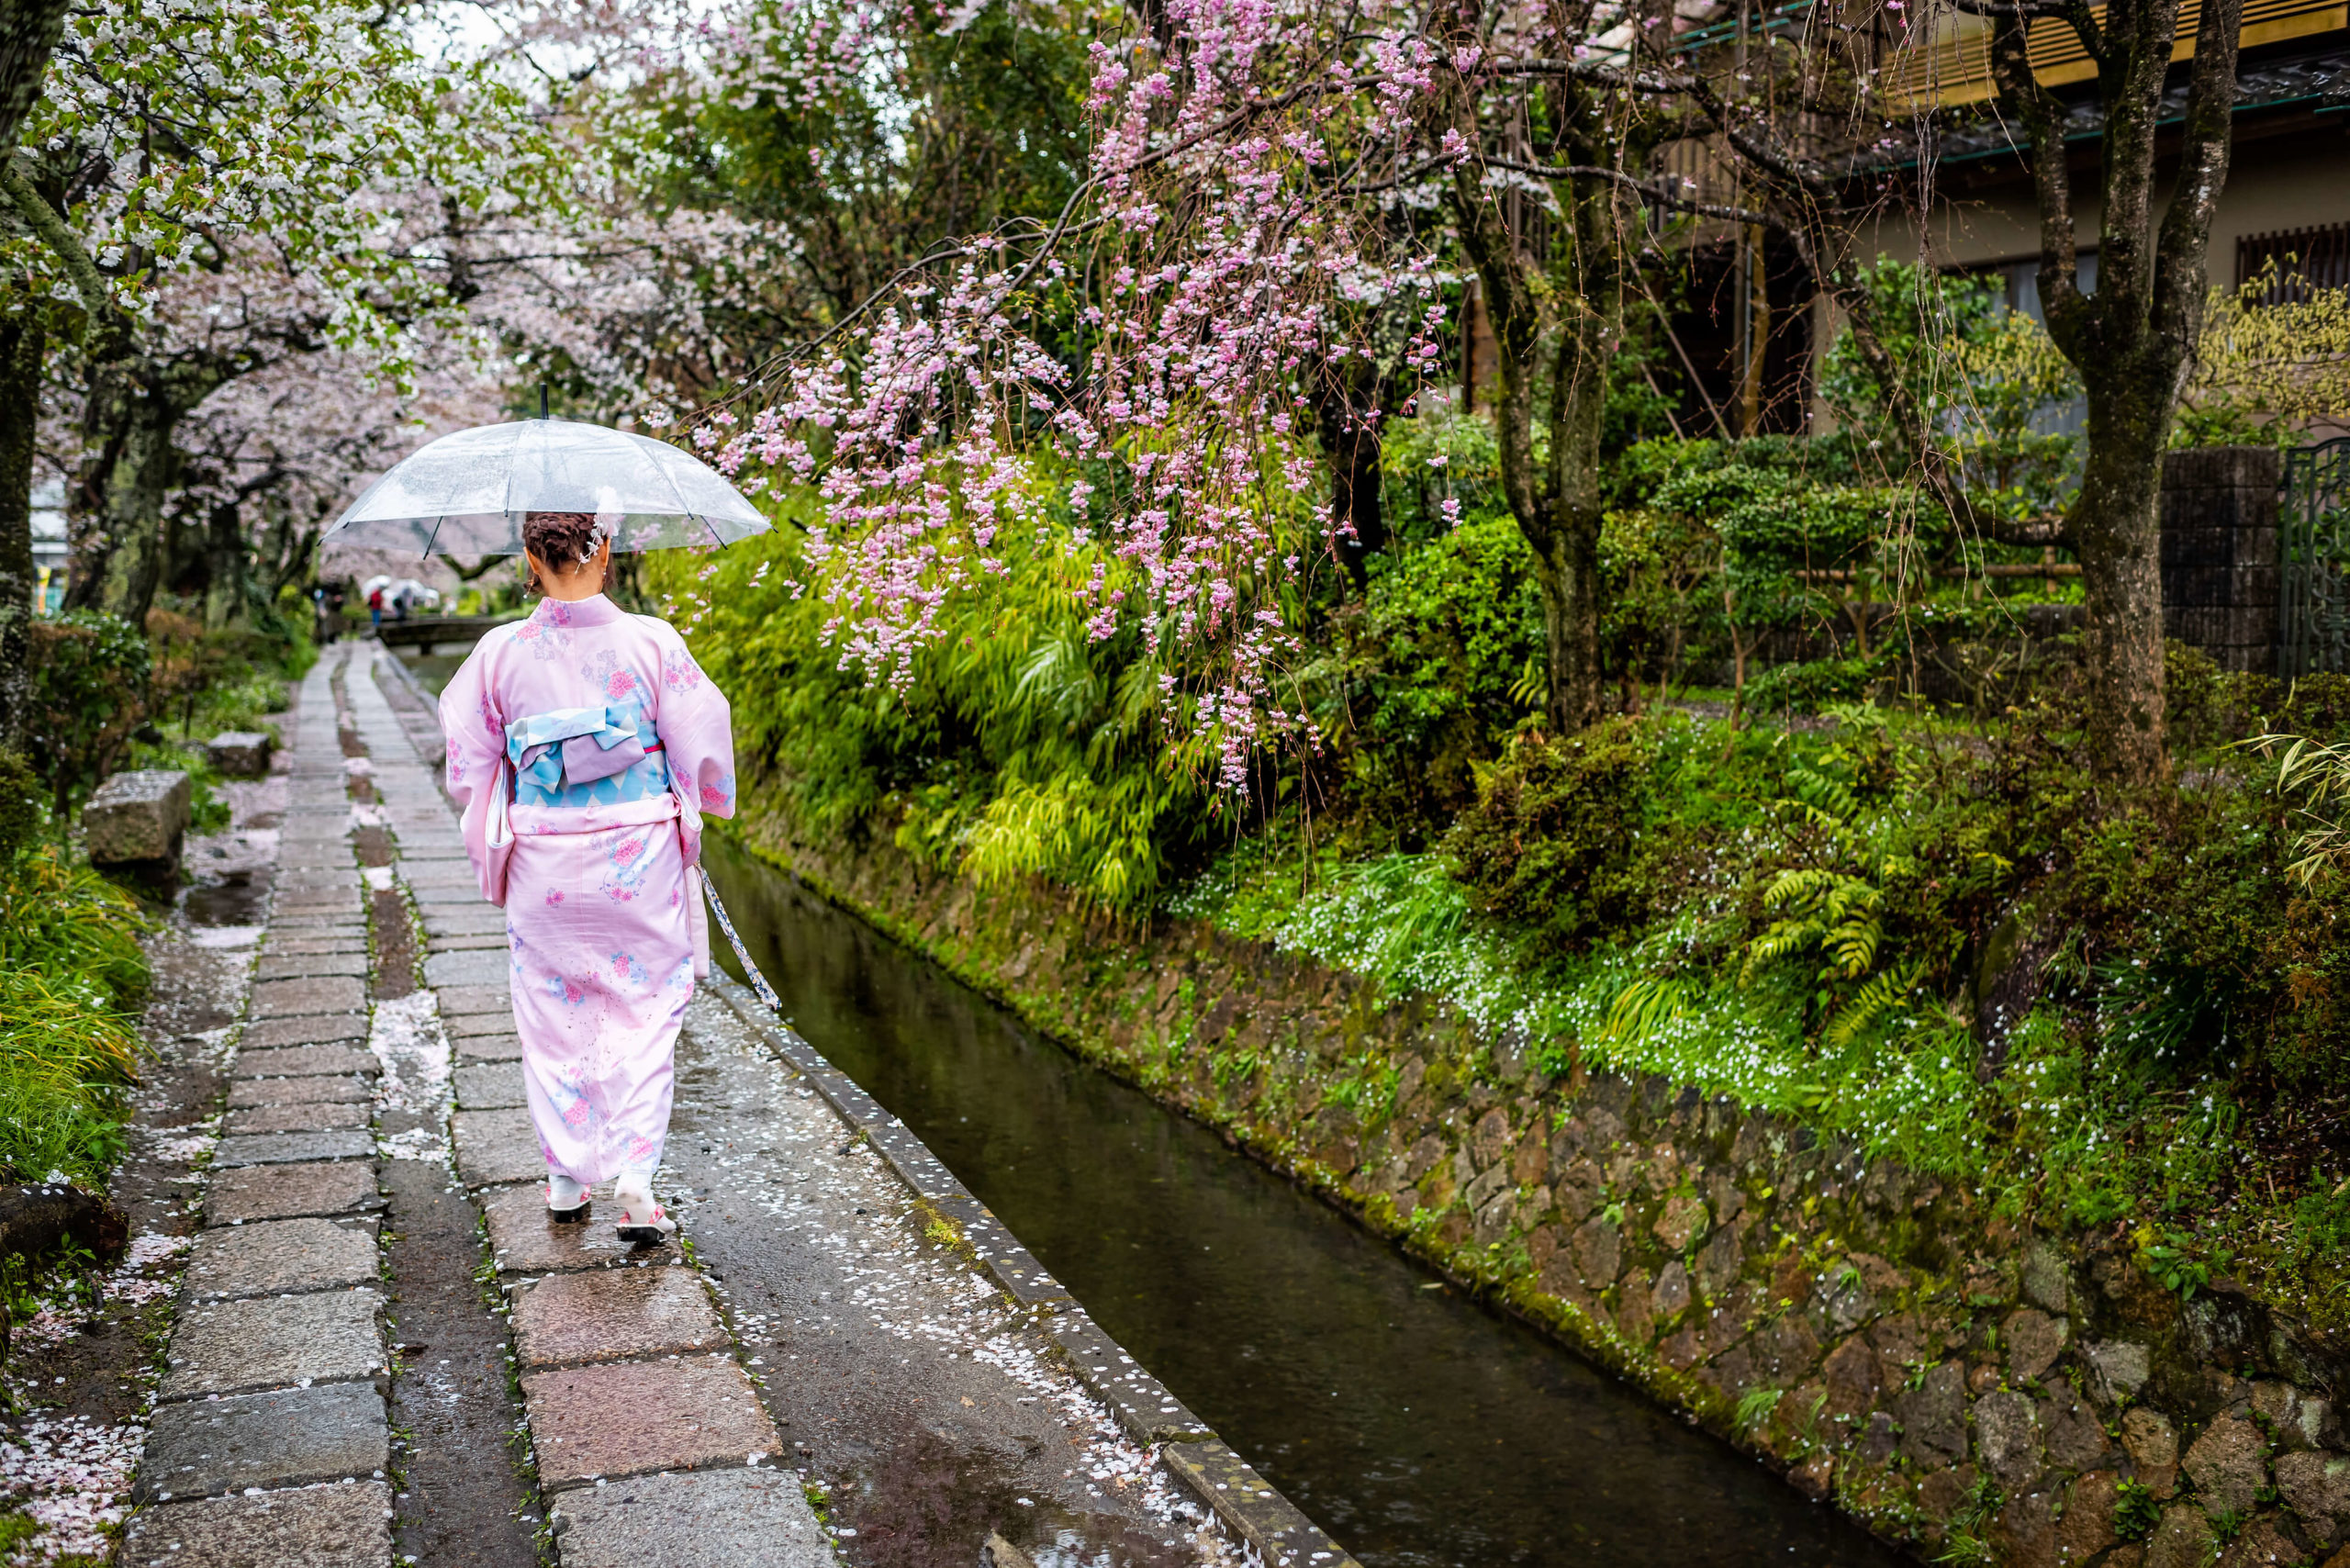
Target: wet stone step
(233,1347)
(629,1417)
(322,1089)
(276,966)
(290,1149)
(314,1527)
(486,969)
(479,1048)
(282,1192)
(603,1314)
(525,1240)
(485,942)
(465,1026)
(473,920)
(342,1058)
(287,1438)
(457,1001)
(711,1519)
(493,1087)
(281,1257)
(352,941)
(313,1117)
(295,998)
(495,1147)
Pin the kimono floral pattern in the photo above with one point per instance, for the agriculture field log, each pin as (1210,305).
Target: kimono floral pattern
(602,915)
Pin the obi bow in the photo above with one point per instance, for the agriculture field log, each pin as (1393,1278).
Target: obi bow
(573,746)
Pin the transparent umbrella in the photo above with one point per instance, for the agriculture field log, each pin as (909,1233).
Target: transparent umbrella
(466,494)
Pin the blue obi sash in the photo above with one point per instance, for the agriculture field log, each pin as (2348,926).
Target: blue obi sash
(585,756)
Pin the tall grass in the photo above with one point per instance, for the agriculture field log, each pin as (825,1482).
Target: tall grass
(71,973)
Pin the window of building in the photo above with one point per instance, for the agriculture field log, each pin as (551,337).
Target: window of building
(2304,260)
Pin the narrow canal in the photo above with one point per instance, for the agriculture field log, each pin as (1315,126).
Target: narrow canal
(1416,1425)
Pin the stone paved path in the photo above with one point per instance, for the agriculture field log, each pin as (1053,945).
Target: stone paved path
(386,1352)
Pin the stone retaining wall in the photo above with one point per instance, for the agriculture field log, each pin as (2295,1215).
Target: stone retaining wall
(1974,1393)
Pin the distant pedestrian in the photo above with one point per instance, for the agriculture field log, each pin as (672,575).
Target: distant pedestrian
(376,610)
(585,745)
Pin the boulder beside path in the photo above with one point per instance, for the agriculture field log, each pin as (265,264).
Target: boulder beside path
(137,818)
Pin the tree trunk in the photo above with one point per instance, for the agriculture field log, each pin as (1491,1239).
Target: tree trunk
(28,34)
(1352,443)
(128,467)
(2115,527)
(22,341)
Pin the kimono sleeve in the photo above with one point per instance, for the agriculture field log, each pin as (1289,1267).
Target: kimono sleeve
(697,728)
(474,729)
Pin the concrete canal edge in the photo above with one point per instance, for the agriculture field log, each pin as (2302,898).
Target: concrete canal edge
(1964,1386)
(1247,1504)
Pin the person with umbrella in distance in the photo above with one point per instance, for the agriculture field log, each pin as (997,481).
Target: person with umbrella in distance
(585,745)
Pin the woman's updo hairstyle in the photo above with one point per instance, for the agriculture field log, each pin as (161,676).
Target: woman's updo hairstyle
(559,538)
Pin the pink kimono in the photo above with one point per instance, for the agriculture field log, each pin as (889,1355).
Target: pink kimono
(583,747)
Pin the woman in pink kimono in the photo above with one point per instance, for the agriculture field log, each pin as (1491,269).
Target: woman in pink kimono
(584,747)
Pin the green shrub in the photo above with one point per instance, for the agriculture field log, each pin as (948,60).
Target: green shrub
(90,677)
(1554,844)
(71,971)
(1815,684)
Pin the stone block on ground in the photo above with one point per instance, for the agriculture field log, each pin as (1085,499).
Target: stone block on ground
(137,818)
(495,1087)
(304,1061)
(477,944)
(473,920)
(488,968)
(464,1025)
(286,1438)
(314,1527)
(299,997)
(338,942)
(712,1518)
(524,1240)
(628,1418)
(233,1347)
(284,1192)
(497,1146)
(347,1089)
(312,1116)
(479,1048)
(292,1148)
(603,1314)
(281,1256)
(239,754)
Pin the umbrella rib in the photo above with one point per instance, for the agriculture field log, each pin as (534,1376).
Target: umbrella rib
(429,543)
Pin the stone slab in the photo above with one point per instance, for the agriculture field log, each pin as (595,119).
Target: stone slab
(338,942)
(292,1148)
(278,965)
(524,1240)
(628,1418)
(1243,1499)
(298,907)
(471,921)
(280,1256)
(495,1087)
(603,1314)
(711,1519)
(497,1146)
(467,968)
(315,1527)
(323,1090)
(477,1048)
(465,1024)
(296,998)
(321,878)
(236,1347)
(459,1000)
(306,1062)
(1143,1404)
(288,1438)
(284,1192)
(480,943)
(315,1116)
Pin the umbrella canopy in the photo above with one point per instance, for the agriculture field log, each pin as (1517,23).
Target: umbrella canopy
(466,494)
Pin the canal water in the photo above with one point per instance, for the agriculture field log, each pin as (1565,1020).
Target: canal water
(1415,1425)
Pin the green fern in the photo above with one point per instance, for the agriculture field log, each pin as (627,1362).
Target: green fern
(1873,1001)
(1641,1009)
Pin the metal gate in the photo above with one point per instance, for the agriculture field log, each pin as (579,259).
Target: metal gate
(2313,540)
